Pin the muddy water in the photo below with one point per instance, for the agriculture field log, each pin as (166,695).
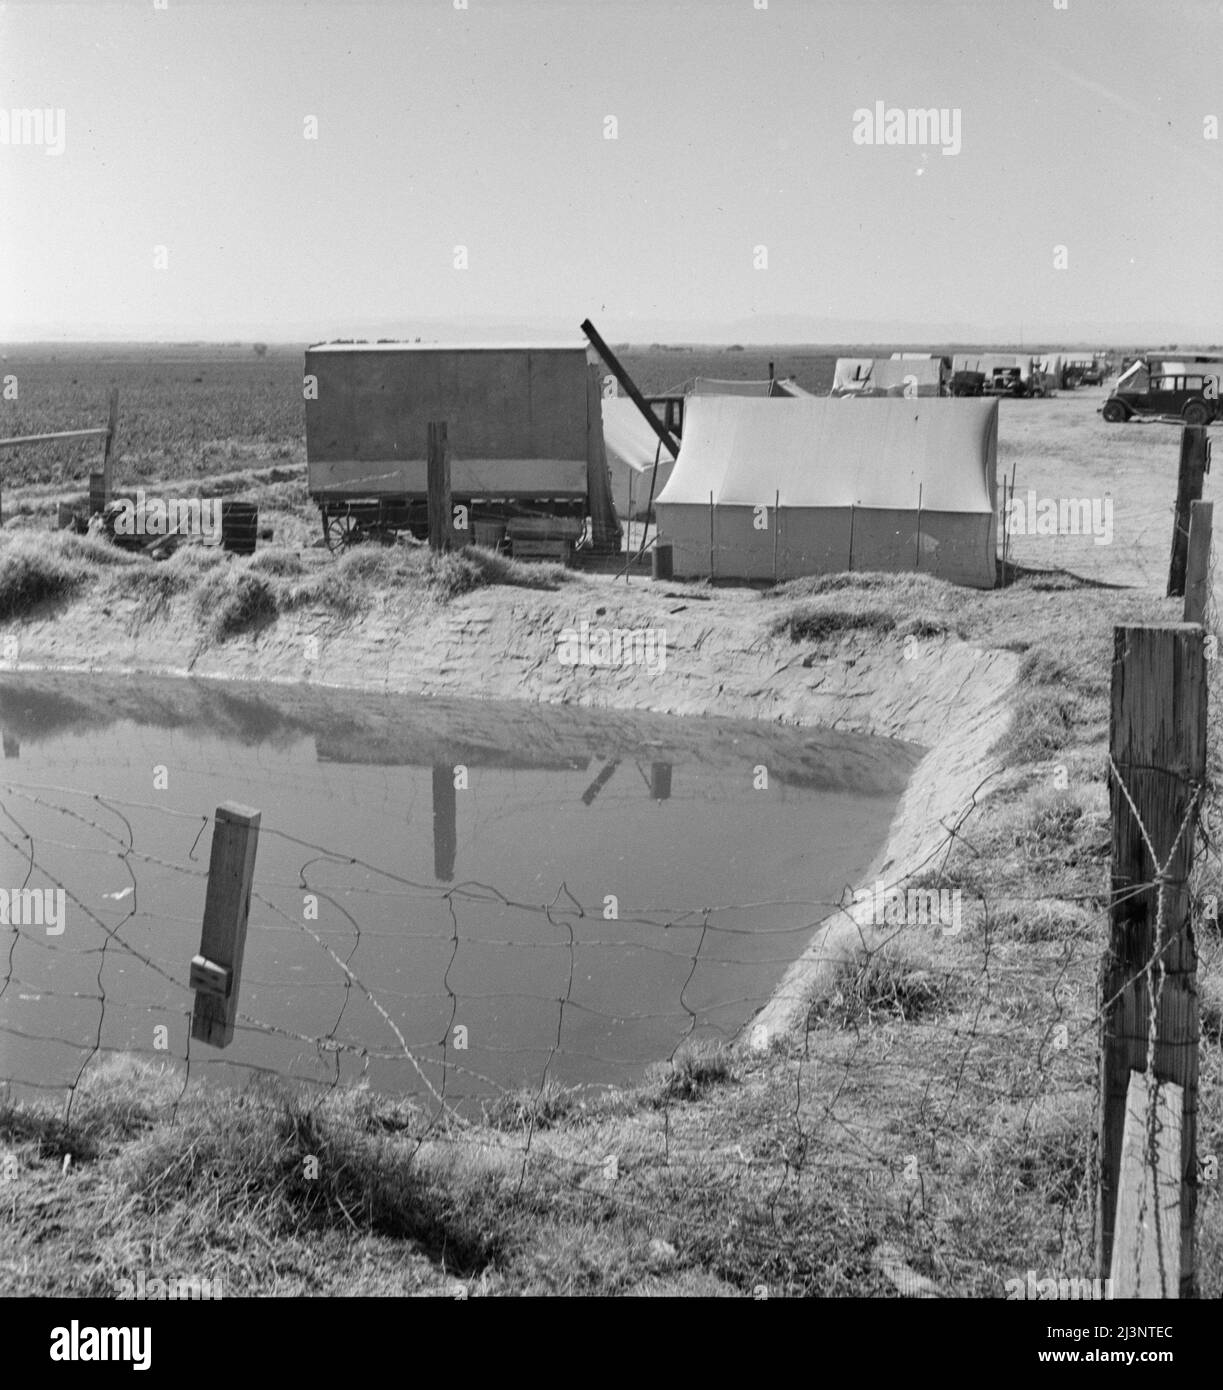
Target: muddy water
(504,892)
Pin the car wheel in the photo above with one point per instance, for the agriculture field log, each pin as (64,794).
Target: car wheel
(1115,412)
(1197,413)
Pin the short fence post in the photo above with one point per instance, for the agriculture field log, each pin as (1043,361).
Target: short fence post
(1190,478)
(438,481)
(1197,564)
(1157,746)
(216,972)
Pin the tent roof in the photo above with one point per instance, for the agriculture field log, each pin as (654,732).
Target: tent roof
(627,436)
(816,452)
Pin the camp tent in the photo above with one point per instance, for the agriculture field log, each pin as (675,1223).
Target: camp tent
(632,447)
(778,489)
(888,376)
(850,375)
(1052,366)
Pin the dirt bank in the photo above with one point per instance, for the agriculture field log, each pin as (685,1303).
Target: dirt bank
(715,655)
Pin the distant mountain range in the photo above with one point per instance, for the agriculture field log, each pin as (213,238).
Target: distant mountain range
(774,329)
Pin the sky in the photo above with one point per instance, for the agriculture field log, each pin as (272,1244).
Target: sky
(186,199)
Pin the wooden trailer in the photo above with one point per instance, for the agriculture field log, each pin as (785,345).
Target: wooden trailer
(525,435)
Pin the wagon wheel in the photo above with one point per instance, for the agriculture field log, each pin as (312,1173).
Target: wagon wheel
(341,531)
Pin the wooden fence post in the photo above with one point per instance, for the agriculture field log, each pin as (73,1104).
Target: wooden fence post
(1157,744)
(1189,482)
(1197,564)
(1147,1240)
(439,487)
(216,973)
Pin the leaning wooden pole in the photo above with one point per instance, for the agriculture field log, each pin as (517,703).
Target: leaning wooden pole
(1157,746)
(629,387)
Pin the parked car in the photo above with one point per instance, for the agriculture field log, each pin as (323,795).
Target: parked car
(1193,396)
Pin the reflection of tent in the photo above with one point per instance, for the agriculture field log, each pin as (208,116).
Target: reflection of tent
(900,485)
(632,446)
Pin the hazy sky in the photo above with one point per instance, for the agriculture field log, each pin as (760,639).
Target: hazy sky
(485,127)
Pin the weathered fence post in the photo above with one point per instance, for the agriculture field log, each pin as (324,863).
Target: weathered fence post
(1189,482)
(1197,564)
(216,973)
(438,481)
(1146,1259)
(1158,751)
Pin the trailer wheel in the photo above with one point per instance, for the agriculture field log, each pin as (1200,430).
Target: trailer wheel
(342,530)
(1196,413)
(1114,412)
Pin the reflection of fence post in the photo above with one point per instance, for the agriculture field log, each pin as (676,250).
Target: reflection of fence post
(438,482)
(660,781)
(1190,478)
(711,535)
(776,525)
(445,832)
(1197,562)
(217,971)
(1158,750)
(917,547)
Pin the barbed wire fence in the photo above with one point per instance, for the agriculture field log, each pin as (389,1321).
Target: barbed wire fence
(915,1077)
(826,1139)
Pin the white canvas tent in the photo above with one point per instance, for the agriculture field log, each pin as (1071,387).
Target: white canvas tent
(850,375)
(632,447)
(777,489)
(889,376)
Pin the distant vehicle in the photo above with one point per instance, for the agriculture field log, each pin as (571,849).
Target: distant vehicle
(968,384)
(1150,389)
